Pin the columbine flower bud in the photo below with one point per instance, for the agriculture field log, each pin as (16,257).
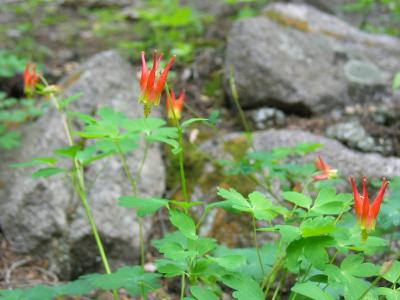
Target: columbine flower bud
(174,105)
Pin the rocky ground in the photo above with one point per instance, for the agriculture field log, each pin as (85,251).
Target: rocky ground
(303,74)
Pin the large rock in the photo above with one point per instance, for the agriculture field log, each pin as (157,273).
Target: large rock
(301,60)
(45,216)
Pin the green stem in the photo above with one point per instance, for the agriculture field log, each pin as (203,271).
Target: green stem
(235,97)
(256,246)
(126,168)
(82,192)
(183,285)
(278,287)
(181,166)
(134,182)
(181,153)
(141,238)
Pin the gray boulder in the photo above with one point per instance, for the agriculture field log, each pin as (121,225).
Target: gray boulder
(45,216)
(301,60)
(354,135)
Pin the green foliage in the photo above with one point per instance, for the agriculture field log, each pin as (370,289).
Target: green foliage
(367,6)
(10,64)
(14,112)
(170,26)
(133,279)
(396,82)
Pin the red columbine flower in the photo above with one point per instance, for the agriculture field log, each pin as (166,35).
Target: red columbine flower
(31,79)
(324,170)
(174,105)
(366,213)
(151,88)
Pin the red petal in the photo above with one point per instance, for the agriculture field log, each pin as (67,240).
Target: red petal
(365,206)
(358,204)
(152,77)
(145,73)
(161,82)
(376,205)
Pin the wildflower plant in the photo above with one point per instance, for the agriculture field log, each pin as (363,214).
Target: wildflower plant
(315,249)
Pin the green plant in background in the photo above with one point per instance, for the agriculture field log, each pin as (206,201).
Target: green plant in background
(396,82)
(168,25)
(14,112)
(366,7)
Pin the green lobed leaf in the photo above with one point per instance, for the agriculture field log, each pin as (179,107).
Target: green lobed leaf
(311,290)
(235,199)
(184,223)
(327,202)
(298,199)
(396,82)
(230,262)
(201,293)
(67,101)
(70,151)
(47,172)
(245,287)
(390,294)
(36,161)
(193,120)
(144,206)
(394,272)
(288,233)
(317,226)
(170,268)
(262,208)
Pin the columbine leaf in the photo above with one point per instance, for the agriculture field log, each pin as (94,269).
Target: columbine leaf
(394,272)
(390,294)
(317,226)
(36,161)
(288,233)
(144,206)
(201,293)
(235,199)
(230,262)
(39,292)
(68,151)
(311,290)
(245,287)
(298,199)
(47,172)
(67,101)
(327,202)
(396,82)
(75,288)
(261,206)
(184,223)
(170,268)
(193,120)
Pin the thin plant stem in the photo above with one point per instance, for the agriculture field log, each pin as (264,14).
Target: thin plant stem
(181,152)
(183,285)
(134,182)
(256,246)
(235,97)
(81,189)
(126,167)
(278,287)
